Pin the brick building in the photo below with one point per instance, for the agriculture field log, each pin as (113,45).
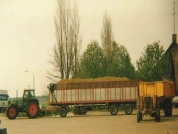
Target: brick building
(173,50)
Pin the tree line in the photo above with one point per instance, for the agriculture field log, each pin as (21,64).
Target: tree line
(108,59)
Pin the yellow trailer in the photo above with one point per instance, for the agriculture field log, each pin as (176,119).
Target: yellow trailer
(153,97)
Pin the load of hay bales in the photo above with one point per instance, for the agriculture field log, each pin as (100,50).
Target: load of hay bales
(100,79)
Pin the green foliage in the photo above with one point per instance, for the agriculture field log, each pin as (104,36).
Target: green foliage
(163,68)
(91,65)
(151,65)
(94,63)
(119,64)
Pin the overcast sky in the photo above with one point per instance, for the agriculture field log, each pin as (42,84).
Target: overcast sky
(27,34)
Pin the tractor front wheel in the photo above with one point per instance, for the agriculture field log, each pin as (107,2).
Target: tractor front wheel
(157,116)
(12,112)
(141,116)
(32,109)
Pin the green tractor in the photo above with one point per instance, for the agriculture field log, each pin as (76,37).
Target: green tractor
(28,103)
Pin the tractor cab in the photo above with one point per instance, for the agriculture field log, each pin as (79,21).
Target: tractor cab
(29,94)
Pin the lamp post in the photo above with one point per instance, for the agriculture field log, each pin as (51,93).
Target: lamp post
(33,78)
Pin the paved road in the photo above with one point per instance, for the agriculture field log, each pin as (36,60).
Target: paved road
(95,122)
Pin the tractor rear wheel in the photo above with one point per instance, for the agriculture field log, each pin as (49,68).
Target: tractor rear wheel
(12,112)
(32,109)
(113,109)
(128,109)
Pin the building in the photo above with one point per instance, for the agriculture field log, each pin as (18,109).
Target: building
(173,50)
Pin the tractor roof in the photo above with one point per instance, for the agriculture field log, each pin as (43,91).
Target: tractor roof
(29,89)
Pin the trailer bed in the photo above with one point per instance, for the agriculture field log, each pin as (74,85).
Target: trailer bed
(94,92)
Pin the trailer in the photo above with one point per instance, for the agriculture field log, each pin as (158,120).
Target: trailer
(153,97)
(84,94)
(3,100)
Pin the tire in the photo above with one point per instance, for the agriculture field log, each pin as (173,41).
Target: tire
(168,112)
(12,112)
(141,117)
(76,110)
(128,109)
(165,112)
(168,108)
(63,111)
(157,116)
(138,116)
(32,109)
(113,110)
(176,105)
(83,111)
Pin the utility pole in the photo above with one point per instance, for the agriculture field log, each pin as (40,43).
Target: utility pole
(174,16)
(33,78)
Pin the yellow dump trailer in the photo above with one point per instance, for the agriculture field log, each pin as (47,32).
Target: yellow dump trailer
(153,97)
(163,88)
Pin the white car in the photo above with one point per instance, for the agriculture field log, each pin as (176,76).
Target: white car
(175,101)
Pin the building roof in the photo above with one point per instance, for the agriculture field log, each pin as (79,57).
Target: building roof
(172,45)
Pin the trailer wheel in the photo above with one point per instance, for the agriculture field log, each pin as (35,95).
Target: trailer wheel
(12,112)
(176,105)
(32,109)
(75,110)
(83,110)
(168,108)
(63,111)
(168,111)
(113,109)
(128,109)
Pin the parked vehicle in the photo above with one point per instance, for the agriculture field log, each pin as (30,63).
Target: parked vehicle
(175,101)
(153,97)
(28,103)
(3,100)
(84,94)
